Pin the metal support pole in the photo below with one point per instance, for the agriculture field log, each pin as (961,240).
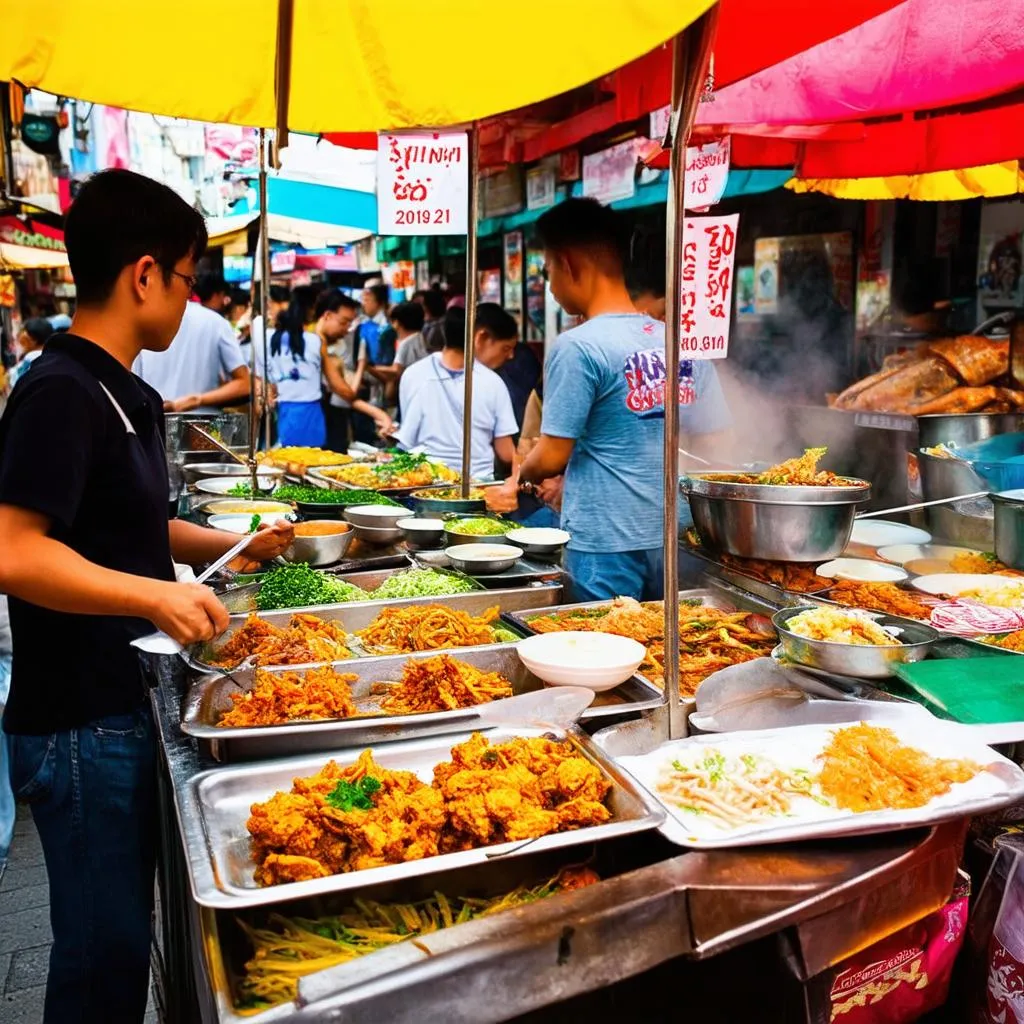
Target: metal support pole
(471,292)
(691,51)
(265,290)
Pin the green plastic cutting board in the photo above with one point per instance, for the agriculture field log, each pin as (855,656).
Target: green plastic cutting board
(975,691)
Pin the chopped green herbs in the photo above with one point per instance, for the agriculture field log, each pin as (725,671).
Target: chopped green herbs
(347,796)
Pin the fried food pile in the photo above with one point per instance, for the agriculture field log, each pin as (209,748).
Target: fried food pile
(866,768)
(1010,642)
(951,375)
(980,563)
(879,597)
(443,684)
(304,458)
(799,472)
(801,579)
(517,790)
(308,638)
(402,630)
(344,819)
(285,949)
(840,627)
(364,816)
(279,697)
(399,473)
(709,639)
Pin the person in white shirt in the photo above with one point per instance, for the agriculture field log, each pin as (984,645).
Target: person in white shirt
(432,393)
(202,370)
(34,334)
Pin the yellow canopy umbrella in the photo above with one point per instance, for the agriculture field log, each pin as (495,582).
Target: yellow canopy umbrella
(345,64)
(990,180)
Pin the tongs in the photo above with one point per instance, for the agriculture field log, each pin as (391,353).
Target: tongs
(923,504)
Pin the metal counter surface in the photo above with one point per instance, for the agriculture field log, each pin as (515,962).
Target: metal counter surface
(823,901)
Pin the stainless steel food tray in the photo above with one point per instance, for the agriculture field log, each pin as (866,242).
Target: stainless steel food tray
(776,595)
(210,697)
(388,492)
(243,599)
(358,615)
(215,805)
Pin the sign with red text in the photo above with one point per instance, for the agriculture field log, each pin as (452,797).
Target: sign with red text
(707,171)
(422,183)
(611,174)
(705,299)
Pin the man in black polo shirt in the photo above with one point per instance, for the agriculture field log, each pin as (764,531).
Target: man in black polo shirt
(86,558)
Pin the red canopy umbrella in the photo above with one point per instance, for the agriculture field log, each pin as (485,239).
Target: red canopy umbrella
(751,35)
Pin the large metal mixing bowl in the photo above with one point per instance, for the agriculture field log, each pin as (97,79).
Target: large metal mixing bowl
(782,524)
(863,661)
(946,478)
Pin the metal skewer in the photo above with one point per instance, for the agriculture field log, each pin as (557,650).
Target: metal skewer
(922,504)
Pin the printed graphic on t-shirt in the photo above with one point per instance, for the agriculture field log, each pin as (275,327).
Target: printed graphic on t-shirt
(645,382)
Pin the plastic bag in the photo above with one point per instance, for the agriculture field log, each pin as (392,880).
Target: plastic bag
(906,975)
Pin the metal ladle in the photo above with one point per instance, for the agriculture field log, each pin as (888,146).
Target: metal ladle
(250,463)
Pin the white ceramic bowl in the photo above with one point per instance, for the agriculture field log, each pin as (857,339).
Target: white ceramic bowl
(422,533)
(378,535)
(377,517)
(539,540)
(225,484)
(598,661)
(240,523)
(863,570)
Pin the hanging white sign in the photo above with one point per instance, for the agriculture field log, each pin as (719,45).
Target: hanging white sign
(422,183)
(707,172)
(705,299)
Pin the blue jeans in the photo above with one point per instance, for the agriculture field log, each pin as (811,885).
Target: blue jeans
(93,797)
(6,796)
(599,577)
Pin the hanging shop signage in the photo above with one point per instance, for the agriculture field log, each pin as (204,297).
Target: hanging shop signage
(15,231)
(41,134)
(502,193)
(661,121)
(611,174)
(707,172)
(422,183)
(540,186)
(569,165)
(282,262)
(514,272)
(705,300)
(535,291)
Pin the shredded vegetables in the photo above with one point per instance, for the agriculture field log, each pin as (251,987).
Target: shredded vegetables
(288,948)
(866,768)
(734,791)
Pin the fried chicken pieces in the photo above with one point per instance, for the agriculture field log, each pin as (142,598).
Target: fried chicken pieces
(485,795)
(303,834)
(517,790)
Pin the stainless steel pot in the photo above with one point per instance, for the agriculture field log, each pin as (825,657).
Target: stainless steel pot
(1009,527)
(966,428)
(787,524)
(945,478)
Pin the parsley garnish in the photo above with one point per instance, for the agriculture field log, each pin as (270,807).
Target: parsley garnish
(348,797)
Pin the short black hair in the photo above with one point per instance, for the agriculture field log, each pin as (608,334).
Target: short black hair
(489,316)
(209,284)
(331,300)
(435,303)
(38,328)
(239,297)
(117,218)
(645,273)
(380,293)
(280,293)
(499,323)
(454,327)
(409,316)
(586,226)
